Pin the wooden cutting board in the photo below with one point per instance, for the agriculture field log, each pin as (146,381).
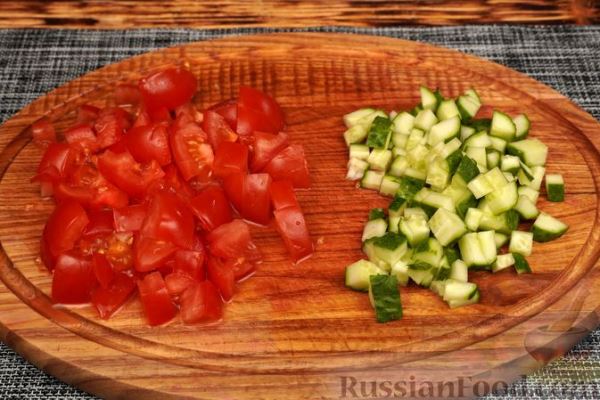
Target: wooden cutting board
(295,332)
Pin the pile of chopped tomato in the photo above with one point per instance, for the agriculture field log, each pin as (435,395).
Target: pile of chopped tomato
(152,196)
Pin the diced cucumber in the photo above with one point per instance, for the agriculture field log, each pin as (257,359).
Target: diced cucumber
(438,174)
(372,179)
(428,252)
(385,296)
(461,303)
(428,98)
(493,158)
(547,228)
(399,140)
(380,134)
(510,164)
(538,176)
(464,205)
(480,186)
(397,151)
(478,248)
(457,290)
(430,199)
(415,211)
(358,273)
(376,213)
(403,123)
(477,154)
(355,134)
(447,109)
(498,144)
(472,218)
(503,199)
(422,277)
(501,239)
(482,124)
(380,159)
(390,247)
(393,223)
(521,242)
(356,169)
(451,147)
(480,139)
(459,271)
(502,126)
(473,94)
(389,185)
(526,208)
(466,132)
(446,226)
(531,151)
(487,241)
(530,193)
(374,228)
(415,138)
(400,269)
(467,107)
(397,206)
(555,187)
(354,117)
(509,177)
(399,165)
(522,125)
(359,151)
(409,187)
(521,264)
(503,223)
(467,169)
(496,178)
(417,157)
(503,261)
(453,161)
(425,120)
(444,131)
(415,229)
(369,250)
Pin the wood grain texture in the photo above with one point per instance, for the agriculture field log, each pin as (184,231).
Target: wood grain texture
(295,332)
(290,13)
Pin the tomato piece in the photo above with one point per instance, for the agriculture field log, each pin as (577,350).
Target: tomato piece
(169,88)
(108,300)
(110,126)
(230,158)
(157,303)
(119,147)
(192,155)
(101,222)
(64,227)
(292,228)
(217,129)
(256,200)
(83,136)
(228,110)
(290,164)
(128,175)
(47,258)
(201,302)
(169,219)
(222,277)
(73,279)
(178,282)
(149,142)
(191,263)
(282,195)
(211,208)
(241,268)
(43,131)
(127,94)
(57,162)
(257,111)
(150,254)
(266,146)
(130,218)
(87,113)
(175,182)
(233,185)
(231,240)
(103,270)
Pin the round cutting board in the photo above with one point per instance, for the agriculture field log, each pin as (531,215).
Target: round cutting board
(296,332)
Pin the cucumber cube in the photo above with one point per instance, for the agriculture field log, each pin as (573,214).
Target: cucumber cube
(555,187)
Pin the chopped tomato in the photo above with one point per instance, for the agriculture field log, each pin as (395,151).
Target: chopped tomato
(222,277)
(169,219)
(230,158)
(292,228)
(127,94)
(57,162)
(101,222)
(191,263)
(43,131)
(201,302)
(111,125)
(217,129)
(230,240)
(290,164)
(193,156)
(256,201)
(174,181)
(130,218)
(128,175)
(149,142)
(64,227)
(150,254)
(157,303)
(178,282)
(107,300)
(87,113)
(241,267)
(83,136)
(257,111)
(103,270)
(233,185)
(228,110)
(73,279)
(169,88)
(266,146)
(211,207)
(282,195)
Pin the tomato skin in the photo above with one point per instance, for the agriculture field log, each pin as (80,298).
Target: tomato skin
(201,302)
(192,155)
(87,113)
(128,175)
(178,282)
(169,219)
(256,201)
(233,185)
(266,146)
(73,279)
(103,270)
(292,228)
(257,111)
(43,131)
(82,135)
(211,208)
(217,129)
(290,164)
(230,158)
(191,263)
(101,222)
(230,240)
(169,88)
(149,142)
(56,163)
(127,94)
(174,182)
(282,195)
(228,110)
(157,304)
(111,125)
(64,227)
(107,300)
(222,277)
(130,218)
(150,254)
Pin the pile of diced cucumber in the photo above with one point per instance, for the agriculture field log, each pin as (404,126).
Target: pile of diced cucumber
(460,187)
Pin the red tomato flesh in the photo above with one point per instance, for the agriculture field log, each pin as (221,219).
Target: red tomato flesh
(230,158)
(64,227)
(73,279)
(149,142)
(266,146)
(107,300)
(292,228)
(130,218)
(290,164)
(169,88)
(211,208)
(257,111)
(217,129)
(156,301)
(282,195)
(201,302)
(222,276)
(256,200)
